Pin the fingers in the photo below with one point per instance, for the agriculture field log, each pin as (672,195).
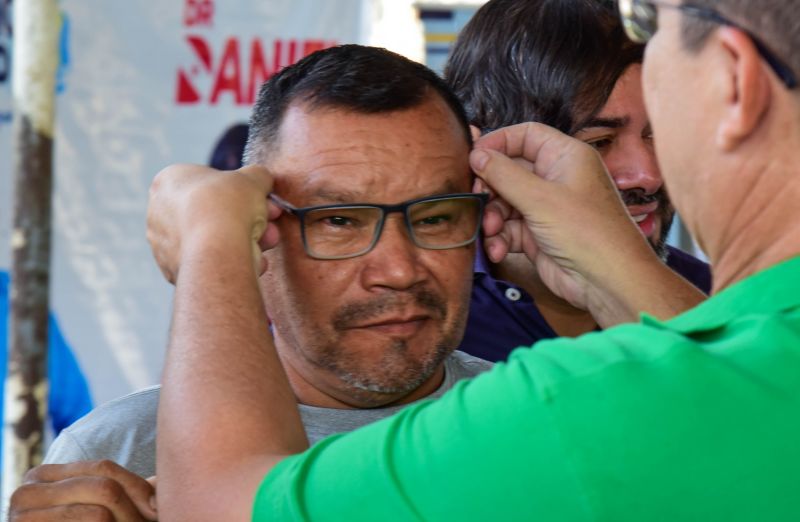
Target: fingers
(259,175)
(525,140)
(82,512)
(498,211)
(271,235)
(534,167)
(193,207)
(103,484)
(512,182)
(496,248)
(101,492)
(498,224)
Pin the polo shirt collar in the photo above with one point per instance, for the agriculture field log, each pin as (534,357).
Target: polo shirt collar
(481,261)
(769,291)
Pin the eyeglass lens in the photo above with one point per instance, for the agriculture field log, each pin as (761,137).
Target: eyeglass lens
(444,223)
(641,20)
(349,231)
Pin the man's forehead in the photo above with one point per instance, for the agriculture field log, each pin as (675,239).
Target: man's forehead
(331,155)
(329,190)
(625,104)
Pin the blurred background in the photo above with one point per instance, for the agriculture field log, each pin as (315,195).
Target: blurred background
(148,83)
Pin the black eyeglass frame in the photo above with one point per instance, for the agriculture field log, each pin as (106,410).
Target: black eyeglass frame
(301,212)
(634,31)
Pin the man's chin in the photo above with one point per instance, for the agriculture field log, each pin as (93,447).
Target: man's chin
(380,368)
(659,246)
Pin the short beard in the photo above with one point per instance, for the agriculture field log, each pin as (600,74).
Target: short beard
(665,212)
(403,379)
(390,369)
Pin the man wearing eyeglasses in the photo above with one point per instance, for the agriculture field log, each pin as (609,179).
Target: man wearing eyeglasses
(367,297)
(694,418)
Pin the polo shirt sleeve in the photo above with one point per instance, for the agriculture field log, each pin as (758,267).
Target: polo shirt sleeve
(470,455)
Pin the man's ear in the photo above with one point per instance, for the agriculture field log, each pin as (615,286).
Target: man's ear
(748,95)
(475,131)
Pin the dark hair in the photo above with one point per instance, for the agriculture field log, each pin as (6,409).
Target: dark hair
(354,77)
(550,61)
(774,22)
(228,152)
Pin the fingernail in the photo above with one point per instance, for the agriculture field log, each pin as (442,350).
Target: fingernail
(478,159)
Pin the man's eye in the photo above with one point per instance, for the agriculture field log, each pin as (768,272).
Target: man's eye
(435,220)
(339,221)
(601,144)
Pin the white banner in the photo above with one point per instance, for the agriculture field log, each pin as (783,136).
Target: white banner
(145,84)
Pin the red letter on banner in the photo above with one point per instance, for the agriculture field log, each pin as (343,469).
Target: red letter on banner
(198,12)
(259,72)
(229,73)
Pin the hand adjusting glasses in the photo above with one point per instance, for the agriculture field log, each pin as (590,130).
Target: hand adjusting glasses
(350,230)
(640,19)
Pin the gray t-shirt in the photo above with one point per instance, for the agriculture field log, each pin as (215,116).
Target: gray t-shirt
(124,430)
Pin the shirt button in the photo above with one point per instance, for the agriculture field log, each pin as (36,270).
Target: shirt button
(512,294)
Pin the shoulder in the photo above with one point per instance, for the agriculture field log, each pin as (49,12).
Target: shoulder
(128,409)
(599,359)
(122,430)
(694,270)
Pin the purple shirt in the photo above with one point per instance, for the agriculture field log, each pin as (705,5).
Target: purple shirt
(503,316)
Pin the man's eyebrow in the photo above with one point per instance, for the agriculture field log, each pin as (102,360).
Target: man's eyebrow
(336,196)
(608,123)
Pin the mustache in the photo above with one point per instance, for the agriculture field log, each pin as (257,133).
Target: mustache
(362,311)
(638,196)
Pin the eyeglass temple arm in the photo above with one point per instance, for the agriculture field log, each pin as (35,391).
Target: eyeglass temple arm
(781,69)
(288,207)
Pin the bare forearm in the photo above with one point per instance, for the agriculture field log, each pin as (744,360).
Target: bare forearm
(230,414)
(639,283)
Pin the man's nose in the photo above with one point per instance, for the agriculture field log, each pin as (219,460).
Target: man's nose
(635,167)
(395,260)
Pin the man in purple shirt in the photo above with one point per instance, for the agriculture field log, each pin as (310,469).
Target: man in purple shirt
(512,63)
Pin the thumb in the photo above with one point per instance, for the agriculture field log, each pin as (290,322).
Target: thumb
(515,184)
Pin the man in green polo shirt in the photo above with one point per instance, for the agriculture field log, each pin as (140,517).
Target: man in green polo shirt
(693,418)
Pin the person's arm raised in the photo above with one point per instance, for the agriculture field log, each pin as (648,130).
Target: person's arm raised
(227,414)
(558,205)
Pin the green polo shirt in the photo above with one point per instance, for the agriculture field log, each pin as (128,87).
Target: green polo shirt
(696,418)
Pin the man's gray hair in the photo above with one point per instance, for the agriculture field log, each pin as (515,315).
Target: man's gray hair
(774,22)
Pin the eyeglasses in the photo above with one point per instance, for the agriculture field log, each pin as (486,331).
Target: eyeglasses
(640,20)
(351,230)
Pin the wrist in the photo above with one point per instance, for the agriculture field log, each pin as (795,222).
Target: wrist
(217,245)
(624,281)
